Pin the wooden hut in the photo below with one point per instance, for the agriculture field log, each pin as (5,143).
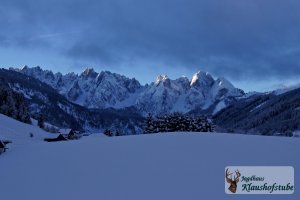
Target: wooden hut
(60,137)
(2,147)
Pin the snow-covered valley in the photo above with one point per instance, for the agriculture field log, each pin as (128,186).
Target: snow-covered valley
(157,166)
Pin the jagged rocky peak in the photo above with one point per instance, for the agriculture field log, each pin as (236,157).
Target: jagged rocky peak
(133,85)
(184,81)
(223,82)
(37,68)
(71,74)
(202,79)
(161,78)
(107,89)
(89,72)
(33,70)
(25,67)
(107,74)
(37,72)
(222,87)
(130,83)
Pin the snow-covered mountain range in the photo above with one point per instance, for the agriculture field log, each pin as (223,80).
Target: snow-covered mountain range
(105,89)
(89,89)
(97,101)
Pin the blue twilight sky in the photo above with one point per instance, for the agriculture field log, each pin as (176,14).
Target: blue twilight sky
(253,43)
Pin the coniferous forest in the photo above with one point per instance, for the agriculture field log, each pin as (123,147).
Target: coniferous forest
(177,122)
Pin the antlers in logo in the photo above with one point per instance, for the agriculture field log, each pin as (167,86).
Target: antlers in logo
(233,182)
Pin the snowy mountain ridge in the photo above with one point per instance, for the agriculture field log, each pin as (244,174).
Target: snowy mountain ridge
(89,89)
(106,89)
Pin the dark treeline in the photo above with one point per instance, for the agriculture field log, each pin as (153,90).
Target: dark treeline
(267,114)
(13,105)
(177,122)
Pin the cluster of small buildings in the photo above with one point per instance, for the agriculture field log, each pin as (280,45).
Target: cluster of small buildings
(65,134)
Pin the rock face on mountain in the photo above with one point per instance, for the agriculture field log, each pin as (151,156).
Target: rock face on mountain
(183,95)
(89,89)
(106,89)
(57,109)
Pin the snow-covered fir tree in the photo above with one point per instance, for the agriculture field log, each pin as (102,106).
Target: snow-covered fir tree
(41,121)
(149,126)
(109,133)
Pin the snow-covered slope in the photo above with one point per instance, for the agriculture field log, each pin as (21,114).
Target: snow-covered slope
(106,89)
(266,114)
(285,89)
(19,132)
(172,166)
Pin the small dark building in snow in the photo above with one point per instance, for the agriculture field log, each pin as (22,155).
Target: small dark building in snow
(2,147)
(69,133)
(65,134)
(60,137)
(72,135)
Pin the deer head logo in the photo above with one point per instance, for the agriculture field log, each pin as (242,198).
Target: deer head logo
(233,182)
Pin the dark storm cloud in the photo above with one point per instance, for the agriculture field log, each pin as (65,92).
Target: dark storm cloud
(226,37)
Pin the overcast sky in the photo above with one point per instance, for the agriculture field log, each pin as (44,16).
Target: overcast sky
(253,43)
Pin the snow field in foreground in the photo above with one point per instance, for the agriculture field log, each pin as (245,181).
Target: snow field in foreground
(170,166)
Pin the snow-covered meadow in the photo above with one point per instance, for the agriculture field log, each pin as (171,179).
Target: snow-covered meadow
(170,166)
